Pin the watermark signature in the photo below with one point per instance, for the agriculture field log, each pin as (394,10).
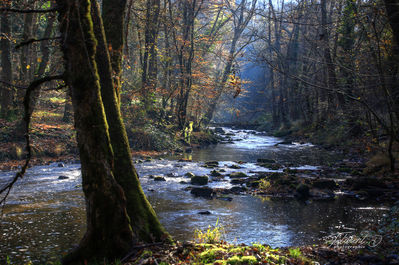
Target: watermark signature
(350,240)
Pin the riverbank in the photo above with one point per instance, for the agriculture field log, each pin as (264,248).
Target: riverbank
(222,253)
(54,141)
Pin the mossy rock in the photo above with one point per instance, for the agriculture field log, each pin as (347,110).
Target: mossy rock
(238,175)
(271,166)
(212,163)
(199,180)
(159,178)
(205,192)
(290,171)
(215,173)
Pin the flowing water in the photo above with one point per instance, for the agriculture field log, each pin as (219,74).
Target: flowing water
(45,216)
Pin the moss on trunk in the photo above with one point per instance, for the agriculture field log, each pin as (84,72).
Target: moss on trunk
(109,233)
(143,219)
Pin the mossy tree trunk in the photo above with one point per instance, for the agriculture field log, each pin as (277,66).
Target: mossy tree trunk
(109,234)
(143,219)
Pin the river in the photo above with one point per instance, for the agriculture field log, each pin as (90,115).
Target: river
(45,216)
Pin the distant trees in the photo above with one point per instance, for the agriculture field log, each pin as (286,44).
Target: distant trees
(186,53)
(333,67)
(6,63)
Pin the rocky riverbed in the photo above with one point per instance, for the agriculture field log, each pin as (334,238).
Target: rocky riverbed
(258,187)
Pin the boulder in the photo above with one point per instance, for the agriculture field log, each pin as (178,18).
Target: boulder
(325,184)
(235,167)
(172,175)
(271,166)
(63,177)
(238,175)
(199,180)
(212,164)
(215,173)
(204,192)
(237,181)
(159,178)
(219,130)
(302,192)
(61,165)
(204,212)
(237,189)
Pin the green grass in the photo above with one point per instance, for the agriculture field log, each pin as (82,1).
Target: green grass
(211,235)
(295,252)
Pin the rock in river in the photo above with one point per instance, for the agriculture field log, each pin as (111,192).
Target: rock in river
(325,184)
(199,180)
(205,192)
(63,177)
(236,175)
(219,130)
(211,164)
(204,212)
(238,189)
(302,192)
(215,173)
(189,175)
(159,178)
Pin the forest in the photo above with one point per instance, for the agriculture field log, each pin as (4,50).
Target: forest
(199,132)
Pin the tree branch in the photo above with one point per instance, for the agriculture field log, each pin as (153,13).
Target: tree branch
(29,41)
(25,11)
(27,117)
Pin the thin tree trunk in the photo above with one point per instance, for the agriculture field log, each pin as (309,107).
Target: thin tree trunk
(6,64)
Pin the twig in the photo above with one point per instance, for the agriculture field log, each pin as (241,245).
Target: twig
(25,11)
(11,85)
(27,42)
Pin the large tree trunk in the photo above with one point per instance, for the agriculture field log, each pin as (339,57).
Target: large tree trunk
(108,234)
(143,219)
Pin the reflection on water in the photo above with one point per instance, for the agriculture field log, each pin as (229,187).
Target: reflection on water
(45,215)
